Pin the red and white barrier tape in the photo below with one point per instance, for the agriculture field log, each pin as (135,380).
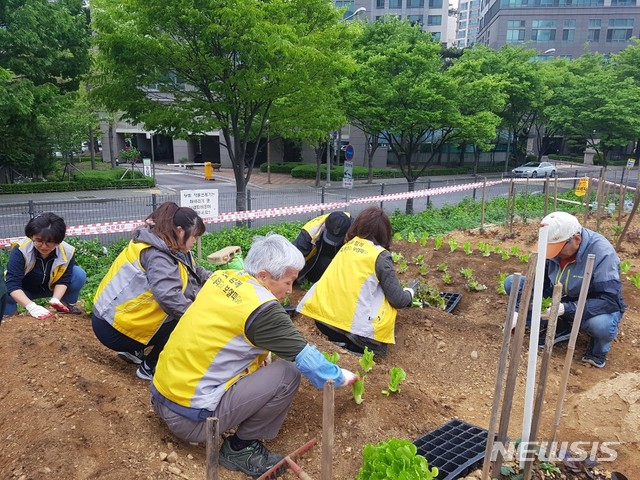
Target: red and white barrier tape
(130,225)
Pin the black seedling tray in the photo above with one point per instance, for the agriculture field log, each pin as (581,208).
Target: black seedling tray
(452,300)
(454,448)
(291,310)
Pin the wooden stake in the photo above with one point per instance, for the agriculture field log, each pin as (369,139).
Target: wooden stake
(484,187)
(544,371)
(213,448)
(600,197)
(502,362)
(636,200)
(546,196)
(575,329)
(555,194)
(326,465)
(514,356)
(587,202)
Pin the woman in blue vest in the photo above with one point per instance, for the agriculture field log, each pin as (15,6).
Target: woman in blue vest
(43,265)
(356,300)
(149,286)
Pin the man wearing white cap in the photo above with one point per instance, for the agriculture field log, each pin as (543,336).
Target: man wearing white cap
(568,246)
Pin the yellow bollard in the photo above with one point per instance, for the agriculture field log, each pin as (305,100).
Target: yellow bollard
(208,171)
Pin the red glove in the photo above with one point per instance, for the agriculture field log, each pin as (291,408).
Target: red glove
(58,305)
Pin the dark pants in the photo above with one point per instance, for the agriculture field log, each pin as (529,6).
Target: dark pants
(115,340)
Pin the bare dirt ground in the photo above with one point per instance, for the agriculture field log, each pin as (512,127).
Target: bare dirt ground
(70,409)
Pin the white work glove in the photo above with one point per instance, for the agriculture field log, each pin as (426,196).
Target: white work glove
(547,312)
(349,377)
(410,290)
(267,361)
(58,305)
(514,321)
(36,311)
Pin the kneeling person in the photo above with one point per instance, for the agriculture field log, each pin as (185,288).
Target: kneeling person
(216,360)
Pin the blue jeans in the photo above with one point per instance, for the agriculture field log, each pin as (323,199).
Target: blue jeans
(78,279)
(602,329)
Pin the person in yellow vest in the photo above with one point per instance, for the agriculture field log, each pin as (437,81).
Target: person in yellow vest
(356,300)
(319,242)
(216,362)
(43,265)
(149,286)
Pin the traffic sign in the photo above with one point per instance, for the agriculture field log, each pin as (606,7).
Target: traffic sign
(349,152)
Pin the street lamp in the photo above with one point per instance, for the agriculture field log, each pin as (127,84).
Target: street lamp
(349,17)
(549,51)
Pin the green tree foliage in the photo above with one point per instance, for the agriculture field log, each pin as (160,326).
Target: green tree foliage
(402,90)
(44,52)
(219,65)
(588,107)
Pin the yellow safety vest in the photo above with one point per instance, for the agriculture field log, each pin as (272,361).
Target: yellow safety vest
(208,350)
(124,298)
(64,254)
(348,296)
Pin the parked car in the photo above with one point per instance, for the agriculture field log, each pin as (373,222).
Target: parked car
(535,169)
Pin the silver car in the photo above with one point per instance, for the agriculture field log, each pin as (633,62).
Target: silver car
(535,169)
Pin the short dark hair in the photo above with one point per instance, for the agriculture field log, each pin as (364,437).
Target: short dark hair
(48,226)
(168,216)
(373,224)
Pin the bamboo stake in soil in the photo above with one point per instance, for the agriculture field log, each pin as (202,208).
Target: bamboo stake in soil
(502,362)
(555,194)
(484,188)
(326,465)
(514,356)
(544,372)
(582,298)
(636,200)
(212,448)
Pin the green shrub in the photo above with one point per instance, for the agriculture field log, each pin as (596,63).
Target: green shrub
(285,167)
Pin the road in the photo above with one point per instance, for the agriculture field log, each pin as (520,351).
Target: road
(82,208)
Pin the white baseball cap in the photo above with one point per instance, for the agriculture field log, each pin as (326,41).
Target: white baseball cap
(562,226)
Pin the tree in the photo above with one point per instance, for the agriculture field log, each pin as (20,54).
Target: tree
(38,61)
(226,65)
(589,108)
(402,90)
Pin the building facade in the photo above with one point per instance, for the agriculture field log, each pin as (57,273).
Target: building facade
(468,23)
(564,28)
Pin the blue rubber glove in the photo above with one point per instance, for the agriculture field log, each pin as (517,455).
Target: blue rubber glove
(317,368)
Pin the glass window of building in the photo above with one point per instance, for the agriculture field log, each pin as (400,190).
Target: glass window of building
(569,30)
(415,19)
(515,31)
(463,5)
(395,3)
(462,24)
(543,30)
(593,34)
(622,3)
(434,20)
(435,36)
(415,3)
(379,3)
(435,3)
(620,29)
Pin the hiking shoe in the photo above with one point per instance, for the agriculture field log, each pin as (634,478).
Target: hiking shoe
(144,371)
(136,357)
(561,336)
(254,460)
(595,360)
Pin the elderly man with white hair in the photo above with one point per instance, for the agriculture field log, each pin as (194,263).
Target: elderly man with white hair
(568,246)
(216,362)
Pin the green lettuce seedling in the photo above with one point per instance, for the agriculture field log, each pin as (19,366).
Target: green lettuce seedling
(332,357)
(394,458)
(396,376)
(357,389)
(366,361)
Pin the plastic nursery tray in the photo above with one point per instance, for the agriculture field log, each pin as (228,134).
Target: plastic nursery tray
(454,448)
(452,300)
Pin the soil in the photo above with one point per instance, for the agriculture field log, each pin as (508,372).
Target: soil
(70,409)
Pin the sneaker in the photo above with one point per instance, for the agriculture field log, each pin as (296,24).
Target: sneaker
(144,372)
(254,460)
(595,360)
(136,357)
(561,336)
